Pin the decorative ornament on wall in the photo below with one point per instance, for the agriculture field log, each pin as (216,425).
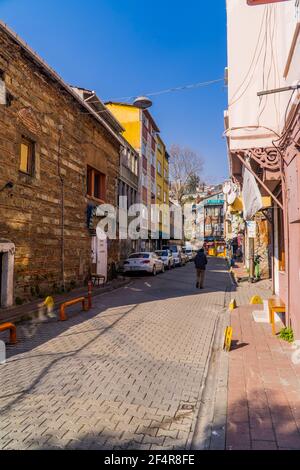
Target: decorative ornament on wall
(28,119)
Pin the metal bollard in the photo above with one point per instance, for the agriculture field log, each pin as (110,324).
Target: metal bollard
(90,286)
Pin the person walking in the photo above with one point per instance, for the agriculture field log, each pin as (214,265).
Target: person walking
(200,264)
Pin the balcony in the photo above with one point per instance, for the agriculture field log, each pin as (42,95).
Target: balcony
(129,177)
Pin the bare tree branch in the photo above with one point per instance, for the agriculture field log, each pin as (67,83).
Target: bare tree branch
(184,164)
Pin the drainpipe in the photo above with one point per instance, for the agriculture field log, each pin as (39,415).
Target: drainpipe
(61,128)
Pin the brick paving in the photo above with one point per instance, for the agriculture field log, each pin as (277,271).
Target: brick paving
(31,309)
(263,385)
(128,374)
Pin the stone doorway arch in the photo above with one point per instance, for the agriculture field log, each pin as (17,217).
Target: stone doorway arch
(7,259)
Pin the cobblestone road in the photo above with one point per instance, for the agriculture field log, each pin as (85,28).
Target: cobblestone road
(126,375)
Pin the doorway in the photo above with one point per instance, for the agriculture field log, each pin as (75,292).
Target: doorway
(7,252)
(99,255)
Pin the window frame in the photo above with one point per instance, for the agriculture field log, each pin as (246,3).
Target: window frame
(90,186)
(31,144)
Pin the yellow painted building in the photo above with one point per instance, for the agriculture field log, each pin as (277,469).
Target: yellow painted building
(130,118)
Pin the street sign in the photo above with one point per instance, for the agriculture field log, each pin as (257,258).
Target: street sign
(228,338)
(263,2)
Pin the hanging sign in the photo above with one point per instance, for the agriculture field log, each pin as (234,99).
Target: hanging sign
(251,228)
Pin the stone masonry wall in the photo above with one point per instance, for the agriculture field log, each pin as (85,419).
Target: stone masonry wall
(31,212)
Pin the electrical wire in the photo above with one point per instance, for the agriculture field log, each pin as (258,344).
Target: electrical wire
(252,62)
(171,90)
(265,82)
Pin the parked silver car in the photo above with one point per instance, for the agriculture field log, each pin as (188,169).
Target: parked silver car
(167,258)
(144,262)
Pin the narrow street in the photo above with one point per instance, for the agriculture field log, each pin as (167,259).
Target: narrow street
(126,375)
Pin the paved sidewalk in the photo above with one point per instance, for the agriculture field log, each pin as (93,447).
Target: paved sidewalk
(128,374)
(31,309)
(263,386)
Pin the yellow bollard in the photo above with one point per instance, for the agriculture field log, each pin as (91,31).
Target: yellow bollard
(49,302)
(256,300)
(232,305)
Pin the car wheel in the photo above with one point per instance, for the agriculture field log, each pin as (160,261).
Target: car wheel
(154,272)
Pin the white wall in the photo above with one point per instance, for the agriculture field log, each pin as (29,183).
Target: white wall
(259,41)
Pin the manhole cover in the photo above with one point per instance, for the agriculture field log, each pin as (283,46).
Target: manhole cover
(187,407)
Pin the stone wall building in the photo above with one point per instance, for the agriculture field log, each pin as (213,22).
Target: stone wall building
(57,159)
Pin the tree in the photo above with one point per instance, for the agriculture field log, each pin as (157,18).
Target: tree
(185,168)
(193,184)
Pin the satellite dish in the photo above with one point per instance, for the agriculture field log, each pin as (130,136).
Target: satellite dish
(142,102)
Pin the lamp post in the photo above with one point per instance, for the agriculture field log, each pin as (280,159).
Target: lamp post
(142,102)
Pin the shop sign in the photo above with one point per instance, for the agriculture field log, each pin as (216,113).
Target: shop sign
(251,228)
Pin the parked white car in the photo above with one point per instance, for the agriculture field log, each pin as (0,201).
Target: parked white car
(189,253)
(144,262)
(176,251)
(167,258)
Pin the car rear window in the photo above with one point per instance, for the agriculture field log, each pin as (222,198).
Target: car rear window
(162,253)
(173,249)
(139,256)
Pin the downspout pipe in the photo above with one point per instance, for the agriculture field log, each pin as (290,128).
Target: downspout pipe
(62,183)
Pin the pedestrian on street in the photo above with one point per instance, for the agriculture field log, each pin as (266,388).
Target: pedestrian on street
(200,264)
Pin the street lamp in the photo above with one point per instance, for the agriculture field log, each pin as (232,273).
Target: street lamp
(142,102)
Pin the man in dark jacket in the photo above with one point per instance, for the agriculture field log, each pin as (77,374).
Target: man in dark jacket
(200,264)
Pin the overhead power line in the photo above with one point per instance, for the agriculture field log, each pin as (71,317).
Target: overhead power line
(171,90)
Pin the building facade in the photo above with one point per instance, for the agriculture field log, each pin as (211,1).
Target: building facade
(141,132)
(162,191)
(263,131)
(57,159)
(128,184)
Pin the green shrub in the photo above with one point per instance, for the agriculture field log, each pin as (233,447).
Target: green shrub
(287,334)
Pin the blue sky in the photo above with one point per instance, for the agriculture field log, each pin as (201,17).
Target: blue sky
(123,48)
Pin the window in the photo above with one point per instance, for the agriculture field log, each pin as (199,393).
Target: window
(27,156)
(158,191)
(144,148)
(95,184)
(145,121)
(159,168)
(153,159)
(145,163)
(136,167)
